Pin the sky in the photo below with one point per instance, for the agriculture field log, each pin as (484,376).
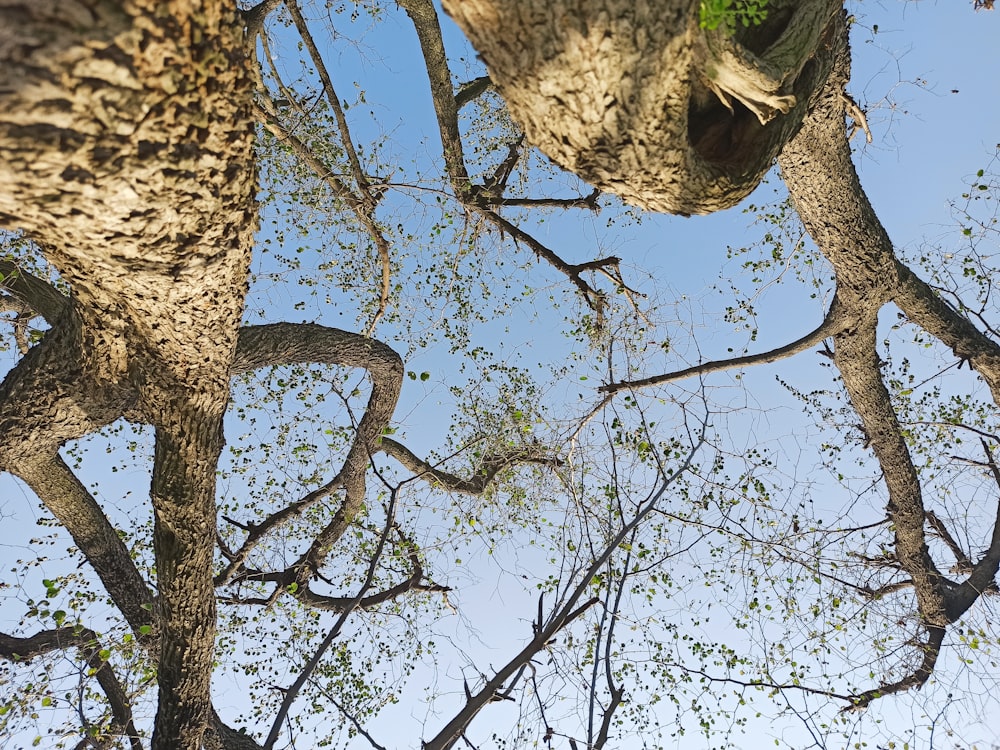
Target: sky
(923,73)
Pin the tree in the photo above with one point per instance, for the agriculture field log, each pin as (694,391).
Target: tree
(131,135)
(671,115)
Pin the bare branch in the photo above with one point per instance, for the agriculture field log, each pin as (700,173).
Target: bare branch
(18,649)
(331,96)
(963,563)
(595,299)
(363,207)
(293,690)
(983,576)
(833,322)
(491,465)
(916,679)
(588,201)
(561,618)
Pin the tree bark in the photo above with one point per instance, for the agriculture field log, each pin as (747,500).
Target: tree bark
(637,99)
(125,150)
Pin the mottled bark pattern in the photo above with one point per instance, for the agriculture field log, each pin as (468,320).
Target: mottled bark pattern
(635,98)
(125,151)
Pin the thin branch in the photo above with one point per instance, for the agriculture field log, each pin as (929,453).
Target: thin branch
(492,464)
(363,208)
(331,96)
(349,716)
(833,322)
(584,201)
(561,618)
(963,563)
(983,575)
(293,690)
(595,299)
(18,649)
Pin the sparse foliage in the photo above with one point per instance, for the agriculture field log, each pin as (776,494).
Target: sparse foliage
(496,486)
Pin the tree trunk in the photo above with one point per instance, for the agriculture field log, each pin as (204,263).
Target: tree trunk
(639,100)
(125,152)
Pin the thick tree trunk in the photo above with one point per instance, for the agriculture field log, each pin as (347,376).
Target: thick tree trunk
(125,151)
(637,99)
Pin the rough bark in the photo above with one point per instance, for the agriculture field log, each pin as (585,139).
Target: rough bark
(820,175)
(125,148)
(640,101)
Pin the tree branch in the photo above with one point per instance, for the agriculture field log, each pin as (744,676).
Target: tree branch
(491,465)
(39,295)
(833,322)
(428,28)
(559,619)
(916,679)
(289,343)
(293,690)
(18,649)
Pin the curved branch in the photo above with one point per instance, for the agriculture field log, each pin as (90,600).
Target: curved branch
(254,17)
(295,343)
(916,679)
(833,323)
(472,90)
(476,485)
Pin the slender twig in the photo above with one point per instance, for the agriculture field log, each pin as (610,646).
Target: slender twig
(293,690)
(562,617)
(832,323)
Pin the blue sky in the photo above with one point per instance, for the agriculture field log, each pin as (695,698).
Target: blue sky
(924,73)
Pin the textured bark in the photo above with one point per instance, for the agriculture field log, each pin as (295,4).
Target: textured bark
(125,149)
(286,343)
(635,98)
(821,178)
